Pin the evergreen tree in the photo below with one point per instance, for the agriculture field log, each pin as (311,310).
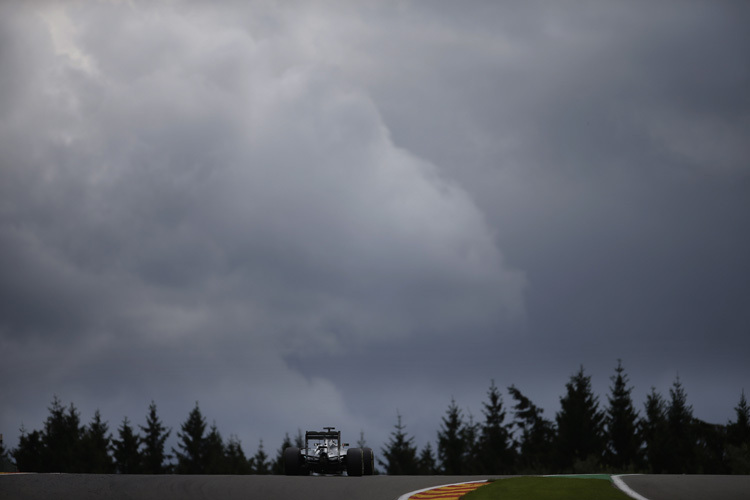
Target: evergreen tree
(6,464)
(623,442)
(62,439)
(236,462)
(361,442)
(261,465)
(537,434)
(214,458)
(299,439)
(126,453)
(653,431)
(451,441)
(278,464)
(495,451)
(30,454)
(400,454)
(155,435)
(709,442)
(95,446)
(738,439)
(426,464)
(680,435)
(738,432)
(192,442)
(471,436)
(580,424)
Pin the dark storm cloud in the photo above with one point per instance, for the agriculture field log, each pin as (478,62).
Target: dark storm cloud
(606,146)
(305,216)
(220,203)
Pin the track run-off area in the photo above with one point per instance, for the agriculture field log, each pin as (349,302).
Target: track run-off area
(167,487)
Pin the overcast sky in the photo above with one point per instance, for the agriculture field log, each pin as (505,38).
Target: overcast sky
(303,214)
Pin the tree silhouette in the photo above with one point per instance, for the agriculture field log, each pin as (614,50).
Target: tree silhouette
(236,462)
(623,443)
(214,452)
(192,442)
(278,464)
(95,446)
(400,454)
(471,433)
(426,464)
(580,424)
(537,435)
(710,448)
(126,453)
(361,442)
(680,435)
(62,439)
(654,430)
(30,453)
(495,451)
(6,465)
(299,439)
(738,432)
(154,437)
(738,439)
(451,441)
(260,462)
(3,451)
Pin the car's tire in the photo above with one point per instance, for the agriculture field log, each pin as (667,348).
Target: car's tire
(368,457)
(293,462)
(354,462)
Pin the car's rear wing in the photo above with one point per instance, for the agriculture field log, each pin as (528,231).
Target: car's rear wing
(329,433)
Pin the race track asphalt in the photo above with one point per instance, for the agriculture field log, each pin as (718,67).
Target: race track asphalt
(85,487)
(688,487)
(116,487)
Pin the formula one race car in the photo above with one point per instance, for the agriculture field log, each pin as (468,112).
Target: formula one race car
(324,453)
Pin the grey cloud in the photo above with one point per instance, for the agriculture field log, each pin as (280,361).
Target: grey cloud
(172,221)
(604,148)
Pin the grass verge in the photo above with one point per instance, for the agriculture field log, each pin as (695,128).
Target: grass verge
(548,488)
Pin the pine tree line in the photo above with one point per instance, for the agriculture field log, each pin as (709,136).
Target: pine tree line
(65,445)
(583,437)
